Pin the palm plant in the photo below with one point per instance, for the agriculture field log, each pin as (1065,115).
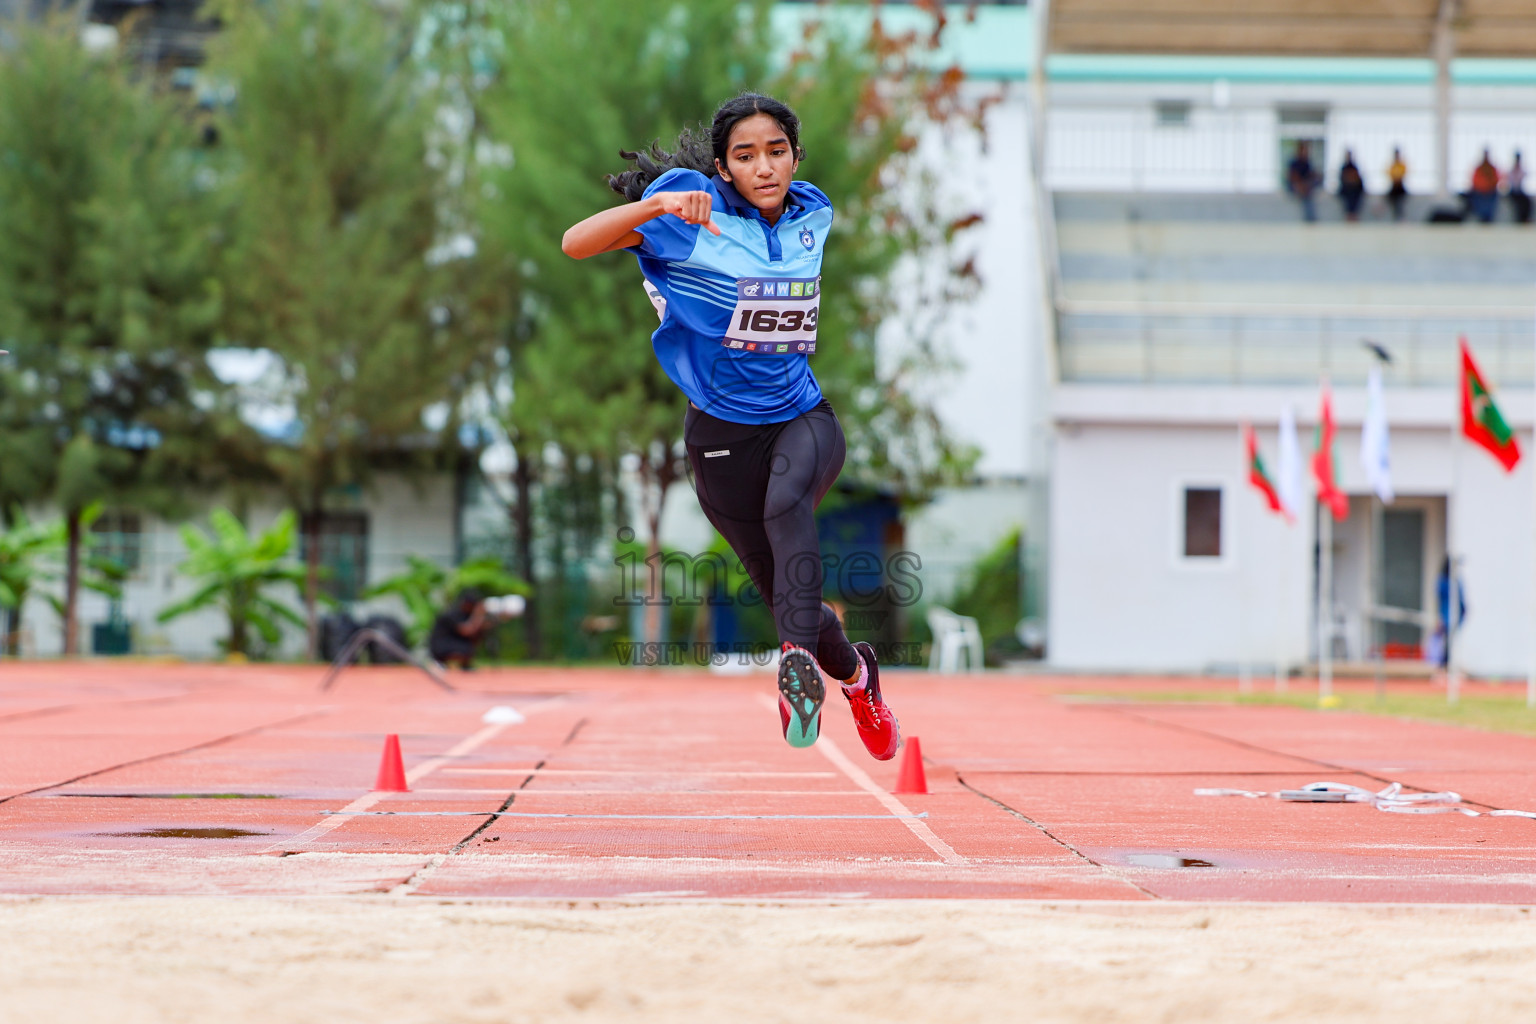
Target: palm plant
(427,588)
(235,570)
(27,553)
(30,555)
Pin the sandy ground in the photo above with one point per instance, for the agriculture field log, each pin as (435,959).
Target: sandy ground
(129,960)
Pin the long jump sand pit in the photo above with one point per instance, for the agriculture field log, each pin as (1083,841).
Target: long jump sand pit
(191,843)
(385,959)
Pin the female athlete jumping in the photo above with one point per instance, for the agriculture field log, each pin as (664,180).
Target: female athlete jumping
(730,246)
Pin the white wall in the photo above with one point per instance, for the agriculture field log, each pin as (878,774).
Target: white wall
(991,339)
(1121,594)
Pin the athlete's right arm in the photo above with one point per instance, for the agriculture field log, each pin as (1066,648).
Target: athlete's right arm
(615,228)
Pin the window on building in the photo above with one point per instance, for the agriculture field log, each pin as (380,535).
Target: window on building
(1308,116)
(1202,522)
(343,552)
(117,536)
(1172,113)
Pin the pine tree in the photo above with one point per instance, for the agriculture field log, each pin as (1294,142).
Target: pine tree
(107,297)
(333,264)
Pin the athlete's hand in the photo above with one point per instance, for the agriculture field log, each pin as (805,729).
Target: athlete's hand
(692,207)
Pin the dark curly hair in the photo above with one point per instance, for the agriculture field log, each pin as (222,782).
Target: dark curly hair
(698,151)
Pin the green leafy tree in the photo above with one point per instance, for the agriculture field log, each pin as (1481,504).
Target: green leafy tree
(427,588)
(234,572)
(990,592)
(107,296)
(582,376)
(334,263)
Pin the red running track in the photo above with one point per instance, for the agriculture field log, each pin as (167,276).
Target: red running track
(140,778)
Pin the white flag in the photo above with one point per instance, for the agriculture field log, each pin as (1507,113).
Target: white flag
(1375,449)
(1288,471)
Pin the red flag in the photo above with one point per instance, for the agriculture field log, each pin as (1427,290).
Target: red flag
(1259,476)
(1324,469)
(1481,420)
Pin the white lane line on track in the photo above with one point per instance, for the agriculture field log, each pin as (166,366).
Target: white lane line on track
(626,817)
(639,771)
(524,794)
(832,752)
(467,745)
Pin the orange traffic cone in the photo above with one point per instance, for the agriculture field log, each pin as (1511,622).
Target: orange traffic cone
(912,778)
(391,770)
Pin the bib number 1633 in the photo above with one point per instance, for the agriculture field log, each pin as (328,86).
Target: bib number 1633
(775,316)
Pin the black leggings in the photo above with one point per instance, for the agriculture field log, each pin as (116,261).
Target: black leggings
(759,485)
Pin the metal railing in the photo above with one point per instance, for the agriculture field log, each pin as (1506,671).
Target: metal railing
(1204,343)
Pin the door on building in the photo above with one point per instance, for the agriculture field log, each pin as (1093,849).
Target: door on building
(1401,580)
(1384,560)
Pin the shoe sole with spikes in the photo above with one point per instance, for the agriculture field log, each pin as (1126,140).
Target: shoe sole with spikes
(801,693)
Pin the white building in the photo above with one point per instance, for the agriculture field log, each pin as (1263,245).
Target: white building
(1190,299)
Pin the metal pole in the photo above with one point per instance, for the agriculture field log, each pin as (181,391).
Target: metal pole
(1246,654)
(1376,625)
(1452,645)
(1281,618)
(1325,602)
(1444,49)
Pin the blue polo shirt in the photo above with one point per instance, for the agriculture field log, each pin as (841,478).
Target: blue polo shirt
(712,285)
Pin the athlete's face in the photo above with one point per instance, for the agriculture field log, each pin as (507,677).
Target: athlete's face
(761,163)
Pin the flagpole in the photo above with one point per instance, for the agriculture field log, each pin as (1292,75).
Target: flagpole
(1452,669)
(1325,602)
(1294,503)
(1245,656)
(1376,574)
(1281,619)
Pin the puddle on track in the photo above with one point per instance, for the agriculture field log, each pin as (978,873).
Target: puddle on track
(170,796)
(1164,860)
(185,833)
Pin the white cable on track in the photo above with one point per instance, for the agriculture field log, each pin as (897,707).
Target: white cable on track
(1390,798)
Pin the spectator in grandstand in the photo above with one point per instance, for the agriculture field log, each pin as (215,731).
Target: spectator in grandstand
(1302,179)
(1484,195)
(1397,174)
(1351,186)
(1514,188)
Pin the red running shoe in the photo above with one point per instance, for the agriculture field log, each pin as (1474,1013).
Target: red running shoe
(876,722)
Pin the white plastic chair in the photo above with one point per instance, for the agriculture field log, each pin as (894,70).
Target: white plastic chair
(953,635)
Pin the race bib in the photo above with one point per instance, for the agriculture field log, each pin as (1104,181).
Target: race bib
(775,316)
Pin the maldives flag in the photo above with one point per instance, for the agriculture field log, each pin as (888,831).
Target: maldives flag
(1259,476)
(1324,468)
(1481,420)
